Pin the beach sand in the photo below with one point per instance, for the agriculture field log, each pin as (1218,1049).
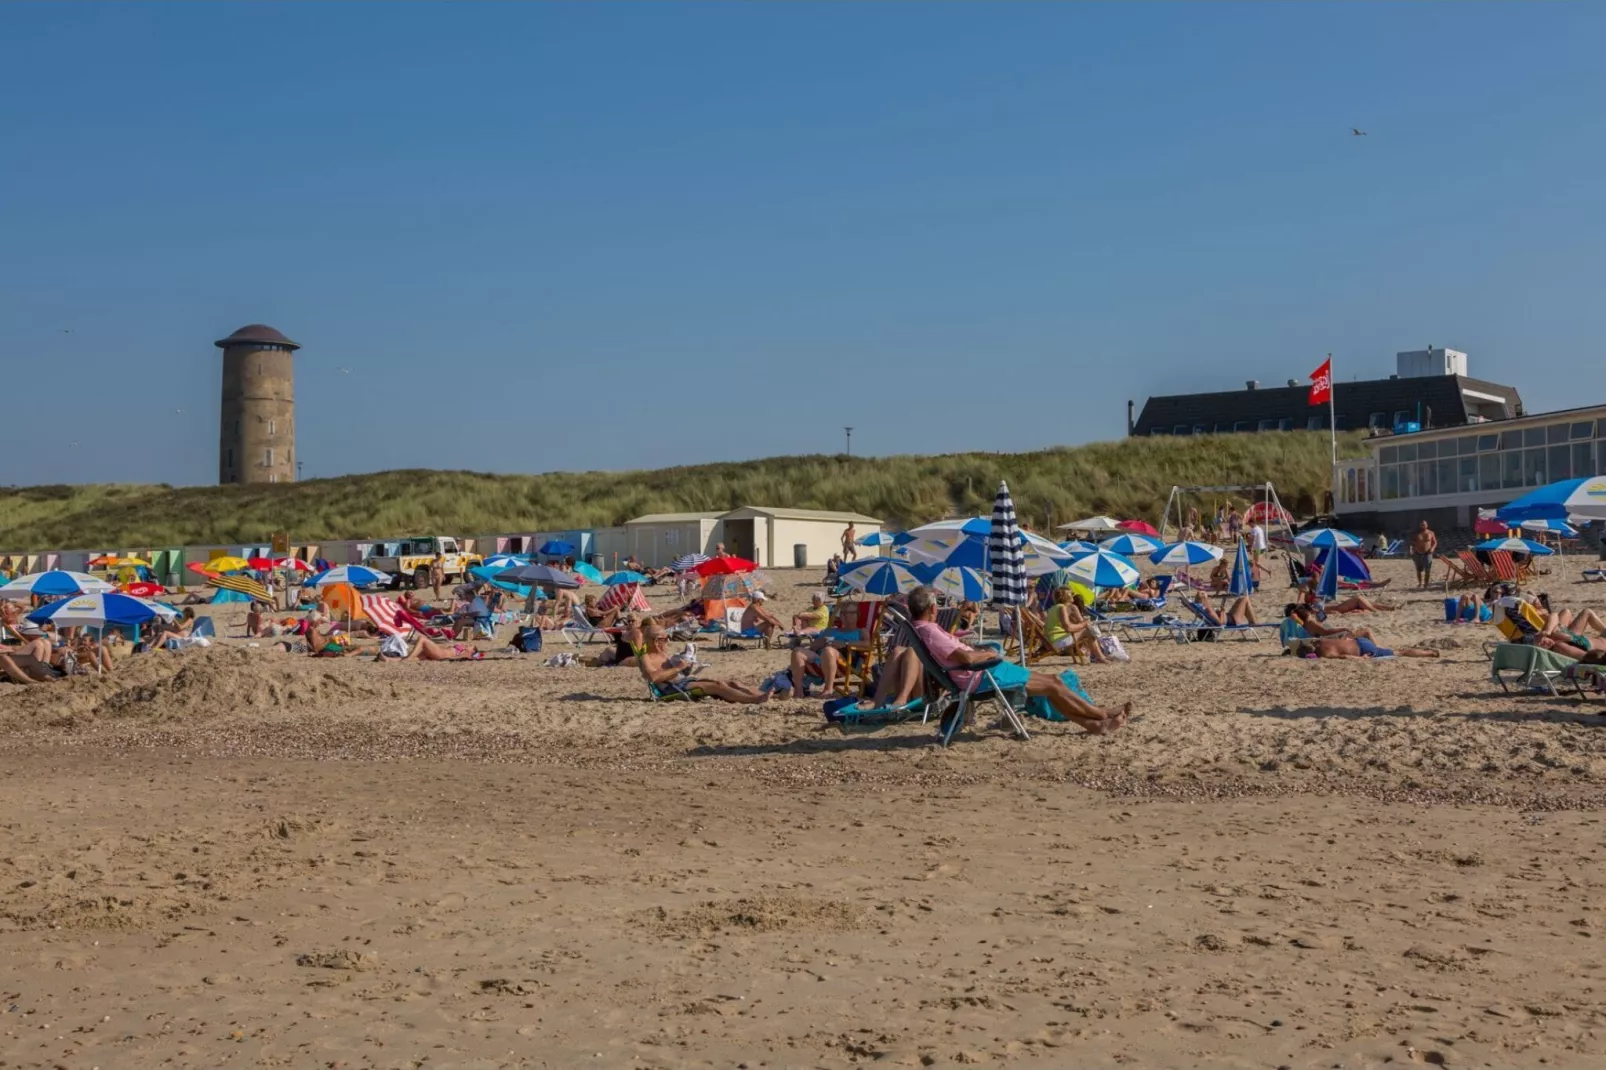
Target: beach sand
(239,857)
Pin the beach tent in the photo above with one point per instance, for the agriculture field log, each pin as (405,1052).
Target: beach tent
(1351,567)
(224,595)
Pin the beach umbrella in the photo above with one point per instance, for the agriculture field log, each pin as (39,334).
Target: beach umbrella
(965,584)
(1186,553)
(200,569)
(252,589)
(485,575)
(142,589)
(724,566)
(1516,546)
(538,576)
(228,563)
(1078,546)
(1129,545)
(1578,499)
(1552,527)
(100,610)
(624,576)
(356,575)
(687,562)
(1006,562)
(1142,527)
(55,583)
(1488,525)
(113,561)
(1092,523)
(1327,581)
(731,585)
(1241,580)
(1102,568)
(1319,538)
(963,543)
(878,575)
(877,538)
(556,548)
(498,562)
(588,572)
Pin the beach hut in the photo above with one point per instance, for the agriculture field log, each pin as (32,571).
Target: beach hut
(771,535)
(658,538)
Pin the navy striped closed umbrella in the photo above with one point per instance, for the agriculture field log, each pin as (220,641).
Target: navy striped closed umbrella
(1006,560)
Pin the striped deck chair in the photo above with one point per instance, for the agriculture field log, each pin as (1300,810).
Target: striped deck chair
(625,595)
(859,658)
(1481,573)
(1504,567)
(1456,574)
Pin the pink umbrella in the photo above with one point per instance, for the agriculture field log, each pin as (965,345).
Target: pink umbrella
(1141,527)
(1490,526)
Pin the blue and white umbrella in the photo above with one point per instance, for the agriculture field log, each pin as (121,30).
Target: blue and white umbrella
(1103,568)
(556,548)
(1579,499)
(53,584)
(687,562)
(1551,527)
(1242,579)
(878,575)
(965,584)
(498,562)
(1516,546)
(1078,546)
(1179,554)
(877,538)
(1006,563)
(1129,544)
(101,610)
(1327,582)
(356,575)
(963,544)
(1321,538)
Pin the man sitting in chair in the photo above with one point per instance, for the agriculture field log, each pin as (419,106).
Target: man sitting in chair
(756,618)
(956,657)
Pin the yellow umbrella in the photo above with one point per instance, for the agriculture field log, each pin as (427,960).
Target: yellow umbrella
(228,564)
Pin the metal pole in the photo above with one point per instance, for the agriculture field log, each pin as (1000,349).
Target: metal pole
(1332,431)
(849,432)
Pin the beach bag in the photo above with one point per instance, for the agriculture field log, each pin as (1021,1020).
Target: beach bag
(1038,706)
(1111,647)
(527,641)
(394,646)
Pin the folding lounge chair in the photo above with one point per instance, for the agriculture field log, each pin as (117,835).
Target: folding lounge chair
(1593,574)
(846,714)
(1455,573)
(580,630)
(1481,574)
(1504,567)
(732,633)
(1247,631)
(1534,668)
(954,704)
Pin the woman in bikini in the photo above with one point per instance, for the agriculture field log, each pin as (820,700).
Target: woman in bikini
(673,681)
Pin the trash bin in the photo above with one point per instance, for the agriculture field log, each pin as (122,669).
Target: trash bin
(800,555)
(596,562)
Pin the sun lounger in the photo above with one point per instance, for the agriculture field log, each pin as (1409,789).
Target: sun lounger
(1245,631)
(1593,574)
(1532,667)
(954,705)
(1456,574)
(579,628)
(731,633)
(846,714)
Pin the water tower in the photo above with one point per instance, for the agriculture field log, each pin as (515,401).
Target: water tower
(257,443)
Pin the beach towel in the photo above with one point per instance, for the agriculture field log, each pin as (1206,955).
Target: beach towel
(1038,706)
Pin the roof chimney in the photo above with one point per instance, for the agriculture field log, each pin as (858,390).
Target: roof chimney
(1252,384)
(1293,382)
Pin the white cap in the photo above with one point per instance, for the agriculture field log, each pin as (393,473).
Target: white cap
(758,596)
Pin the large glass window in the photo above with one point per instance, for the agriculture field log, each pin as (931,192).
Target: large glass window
(1391,478)
(1388,455)
(1583,430)
(1583,460)
(1560,463)
(1510,469)
(1489,471)
(1445,476)
(1466,479)
(1488,442)
(1361,487)
(1533,468)
(1556,433)
(1427,477)
(1426,451)
(1510,440)
(1533,436)
(1349,485)
(1408,453)
(1465,446)
(1411,476)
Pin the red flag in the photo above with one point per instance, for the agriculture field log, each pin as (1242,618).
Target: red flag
(1321,383)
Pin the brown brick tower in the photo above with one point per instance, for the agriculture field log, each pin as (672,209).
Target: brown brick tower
(257,443)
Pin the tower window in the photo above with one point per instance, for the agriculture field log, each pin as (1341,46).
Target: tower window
(272,428)
(267,456)
(229,459)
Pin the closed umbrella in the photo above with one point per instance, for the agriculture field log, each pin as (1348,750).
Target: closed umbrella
(1241,581)
(1327,582)
(52,584)
(879,576)
(1130,545)
(1006,562)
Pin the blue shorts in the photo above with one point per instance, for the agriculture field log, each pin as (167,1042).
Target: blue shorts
(1370,649)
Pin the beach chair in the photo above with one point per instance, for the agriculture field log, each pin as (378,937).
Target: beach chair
(1593,574)
(580,630)
(1243,631)
(1504,567)
(860,658)
(1481,574)
(1531,667)
(1455,573)
(954,703)
(1037,647)
(731,634)
(1393,549)
(847,715)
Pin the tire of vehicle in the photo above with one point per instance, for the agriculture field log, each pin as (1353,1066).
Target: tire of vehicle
(420,579)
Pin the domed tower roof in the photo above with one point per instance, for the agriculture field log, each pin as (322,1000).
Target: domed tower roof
(255,334)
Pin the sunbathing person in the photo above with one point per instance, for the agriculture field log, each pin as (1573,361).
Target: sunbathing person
(426,649)
(1066,628)
(1241,612)
(956,656)
(673,681)
(24,668)
(599,617)
(1219,580)
(902,681)
(1360,649)
(1316,628)
(1355,603)
(824,658)
(756,618)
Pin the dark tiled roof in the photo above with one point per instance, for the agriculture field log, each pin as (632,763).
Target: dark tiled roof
(257,334)
(1353,404)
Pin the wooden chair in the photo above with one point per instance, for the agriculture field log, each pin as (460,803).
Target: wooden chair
(1455,573)
(860,658)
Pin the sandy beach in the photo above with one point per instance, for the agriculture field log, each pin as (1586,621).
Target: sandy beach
(239,857)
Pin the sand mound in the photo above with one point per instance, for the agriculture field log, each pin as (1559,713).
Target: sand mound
(192,685)
(759,914)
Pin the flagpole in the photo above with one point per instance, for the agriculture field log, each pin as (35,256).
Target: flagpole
(1332,431)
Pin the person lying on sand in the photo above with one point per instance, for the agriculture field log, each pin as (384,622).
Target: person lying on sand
(1242,611)
(1315,628)
(23,668)
(426,649)
(1358,650)
(1355,603)
(672,681)
(955,656)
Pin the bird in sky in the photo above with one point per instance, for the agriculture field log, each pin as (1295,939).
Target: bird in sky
(1356,131)
(178,410)
(345,371)
(66,330)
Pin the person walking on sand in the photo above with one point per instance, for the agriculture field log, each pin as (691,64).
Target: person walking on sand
(1424,543)
(1257,543)
(850,545)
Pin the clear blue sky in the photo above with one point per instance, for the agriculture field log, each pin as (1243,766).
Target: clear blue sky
(551,236)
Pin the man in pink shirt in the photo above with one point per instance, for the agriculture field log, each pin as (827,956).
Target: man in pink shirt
(954,655)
